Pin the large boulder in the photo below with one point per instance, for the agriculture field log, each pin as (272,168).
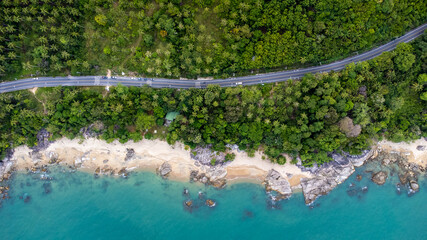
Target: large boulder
(164,169)
(215,173)
(275,182)
(130,154)
(312,188)
(379,177)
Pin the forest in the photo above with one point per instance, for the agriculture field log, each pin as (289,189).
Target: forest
(312,117)
(200,38)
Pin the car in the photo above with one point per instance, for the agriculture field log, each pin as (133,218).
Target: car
(139,79)
(113,77)
(104,77)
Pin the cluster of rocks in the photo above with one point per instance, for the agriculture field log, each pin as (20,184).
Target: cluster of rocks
(206,156)
(191,204)
(4,194)
(214,176)
(329,175)
(277,183)
(394,163)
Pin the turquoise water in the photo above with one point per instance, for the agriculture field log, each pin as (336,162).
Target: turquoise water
(79,206)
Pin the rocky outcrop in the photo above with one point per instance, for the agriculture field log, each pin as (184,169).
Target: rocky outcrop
(326,180)
(330,174)
(214,176)
(164,170)
(275,182)
(207,156)
(379,177)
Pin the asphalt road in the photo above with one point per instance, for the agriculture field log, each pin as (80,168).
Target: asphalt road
(229,82)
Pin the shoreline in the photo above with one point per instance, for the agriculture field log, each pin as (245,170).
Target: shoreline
(95,156)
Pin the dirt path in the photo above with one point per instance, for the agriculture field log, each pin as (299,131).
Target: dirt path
(34,90)
(136,44)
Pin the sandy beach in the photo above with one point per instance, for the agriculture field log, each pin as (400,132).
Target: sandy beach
(91,154)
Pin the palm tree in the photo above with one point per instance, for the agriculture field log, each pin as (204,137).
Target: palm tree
(27,66)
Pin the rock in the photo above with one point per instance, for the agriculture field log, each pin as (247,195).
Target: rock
(359,160)
(130,153)
(53,157)
(193,176)
(407,177)
(315,187)
(219,183)
(216,173)
(346,126)
(365,189)
(188,203)
(210,203)
(105,161)
(275,182)
(421,148)
(186,192)
(359,177)
(204,180)
(164,169)
(123,172)
(414,185)
(379,177)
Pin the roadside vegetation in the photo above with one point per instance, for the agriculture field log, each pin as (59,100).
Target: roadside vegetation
(191,38)
(312,117)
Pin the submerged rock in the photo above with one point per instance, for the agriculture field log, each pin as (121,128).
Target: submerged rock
(123,173)
(379,177)
(275,182)
(210,203)
(164,169)
(185,192)
(359,177)
(188,203)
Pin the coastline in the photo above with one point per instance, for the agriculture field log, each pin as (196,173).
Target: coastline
(176,163)
(97,156)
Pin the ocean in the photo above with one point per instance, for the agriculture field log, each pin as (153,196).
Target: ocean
(76,205)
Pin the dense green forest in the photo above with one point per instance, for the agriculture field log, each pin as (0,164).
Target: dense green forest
(191,38)
(311,117)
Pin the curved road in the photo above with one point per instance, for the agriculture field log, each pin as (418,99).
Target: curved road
(229,82)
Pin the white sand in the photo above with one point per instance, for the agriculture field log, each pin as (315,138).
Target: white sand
(408,149)
(149,155)
(255,168)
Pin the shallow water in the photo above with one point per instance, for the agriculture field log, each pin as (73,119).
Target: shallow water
(79,206)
